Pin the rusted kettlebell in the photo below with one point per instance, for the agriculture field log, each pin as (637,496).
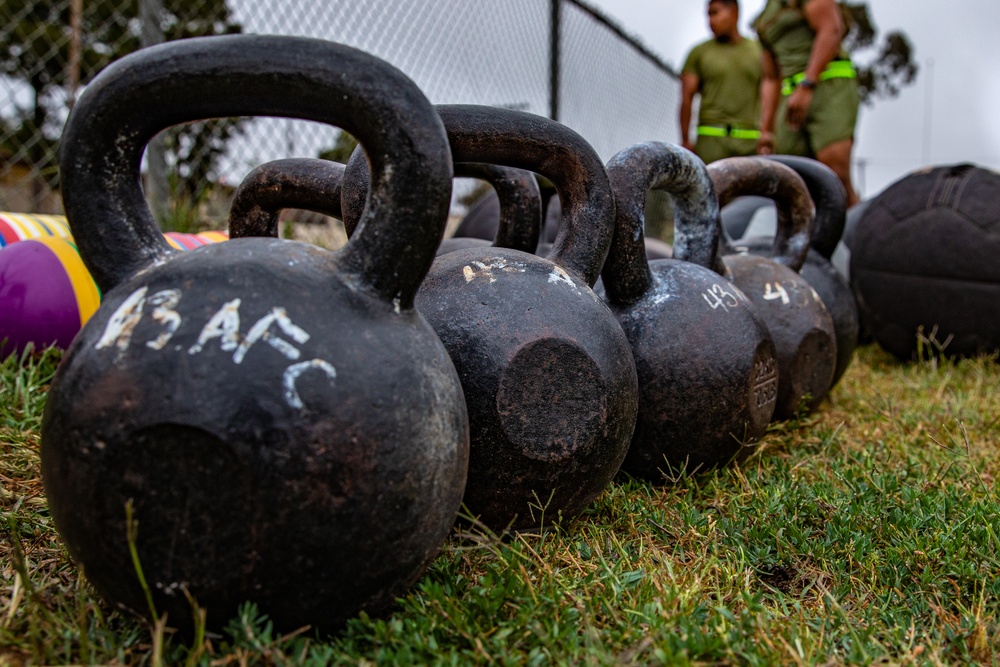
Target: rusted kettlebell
(315,185)
(520,208)
(830,201)
(306,183)
(655,248)
(546,369)
(483,218)
(799,323)
(261,419)
(708,374)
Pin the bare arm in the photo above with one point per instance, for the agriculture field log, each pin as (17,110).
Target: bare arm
(689,86)
(770,91)
(824,18)
(826,21)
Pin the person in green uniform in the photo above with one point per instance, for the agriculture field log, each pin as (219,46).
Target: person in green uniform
(809,92)
(726,72)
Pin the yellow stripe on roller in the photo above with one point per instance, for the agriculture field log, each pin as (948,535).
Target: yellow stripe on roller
(37,225)
(31,223)
(36,222)
(57,224)
(214,236)
(88,297)
(173,242)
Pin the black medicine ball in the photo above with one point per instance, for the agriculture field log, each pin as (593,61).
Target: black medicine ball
(925,263)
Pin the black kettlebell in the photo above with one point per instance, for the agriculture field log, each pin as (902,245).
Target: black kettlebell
(830,201)
(277,421)
(655,248)
(483,218)
(315,185)
(547,371)
(799,323)
(707,368)
(520,208)
(306,183)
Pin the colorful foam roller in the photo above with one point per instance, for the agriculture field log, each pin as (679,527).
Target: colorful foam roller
(46,293)
(21,226)
(191,241)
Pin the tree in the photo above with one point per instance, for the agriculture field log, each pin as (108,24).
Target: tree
(34,49)
(891,69)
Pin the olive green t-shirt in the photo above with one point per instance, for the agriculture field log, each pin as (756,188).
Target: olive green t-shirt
(728,81)
(785,32)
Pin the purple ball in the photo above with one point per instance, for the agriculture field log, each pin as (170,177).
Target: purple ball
(46,294)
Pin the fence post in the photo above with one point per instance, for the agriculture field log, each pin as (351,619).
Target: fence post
(157,187)
(75,39)
(554,58)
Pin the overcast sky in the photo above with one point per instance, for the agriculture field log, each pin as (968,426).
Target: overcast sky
(956,44)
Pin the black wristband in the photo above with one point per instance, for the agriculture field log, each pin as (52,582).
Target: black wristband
(808,83)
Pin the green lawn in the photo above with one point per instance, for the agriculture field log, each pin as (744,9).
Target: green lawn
(869,532)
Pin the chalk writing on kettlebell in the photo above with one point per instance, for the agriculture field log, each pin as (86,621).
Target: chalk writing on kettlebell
(485,269)
(717,297)
(224,325)
(774,291)
(559,276)
(165,301)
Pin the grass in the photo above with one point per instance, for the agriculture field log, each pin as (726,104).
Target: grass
(866,533)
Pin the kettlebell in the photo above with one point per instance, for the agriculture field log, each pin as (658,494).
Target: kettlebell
(262,420)
(315,185)
(655,248)
(547,371)
(520,208)
(707,367)
(830,201)
(268,189)
(799,323)
(483,218)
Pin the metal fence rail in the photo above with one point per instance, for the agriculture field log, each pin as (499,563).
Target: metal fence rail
(558,58)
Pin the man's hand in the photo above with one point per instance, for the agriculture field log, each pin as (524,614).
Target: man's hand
(798,107)
(765,144)
(688,144)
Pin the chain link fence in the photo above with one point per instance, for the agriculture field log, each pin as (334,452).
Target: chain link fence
(558,58)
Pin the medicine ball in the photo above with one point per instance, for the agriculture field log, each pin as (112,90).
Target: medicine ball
(46,294)
(925,263)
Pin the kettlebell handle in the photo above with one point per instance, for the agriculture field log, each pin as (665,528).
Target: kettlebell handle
(829,197)
(536,143)
(528,141)
(145,92)
(738,176)
(304,183)
(520,202)
(633,172)
(315,185)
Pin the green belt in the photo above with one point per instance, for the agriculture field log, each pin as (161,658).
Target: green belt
(727,131)
(837,69)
